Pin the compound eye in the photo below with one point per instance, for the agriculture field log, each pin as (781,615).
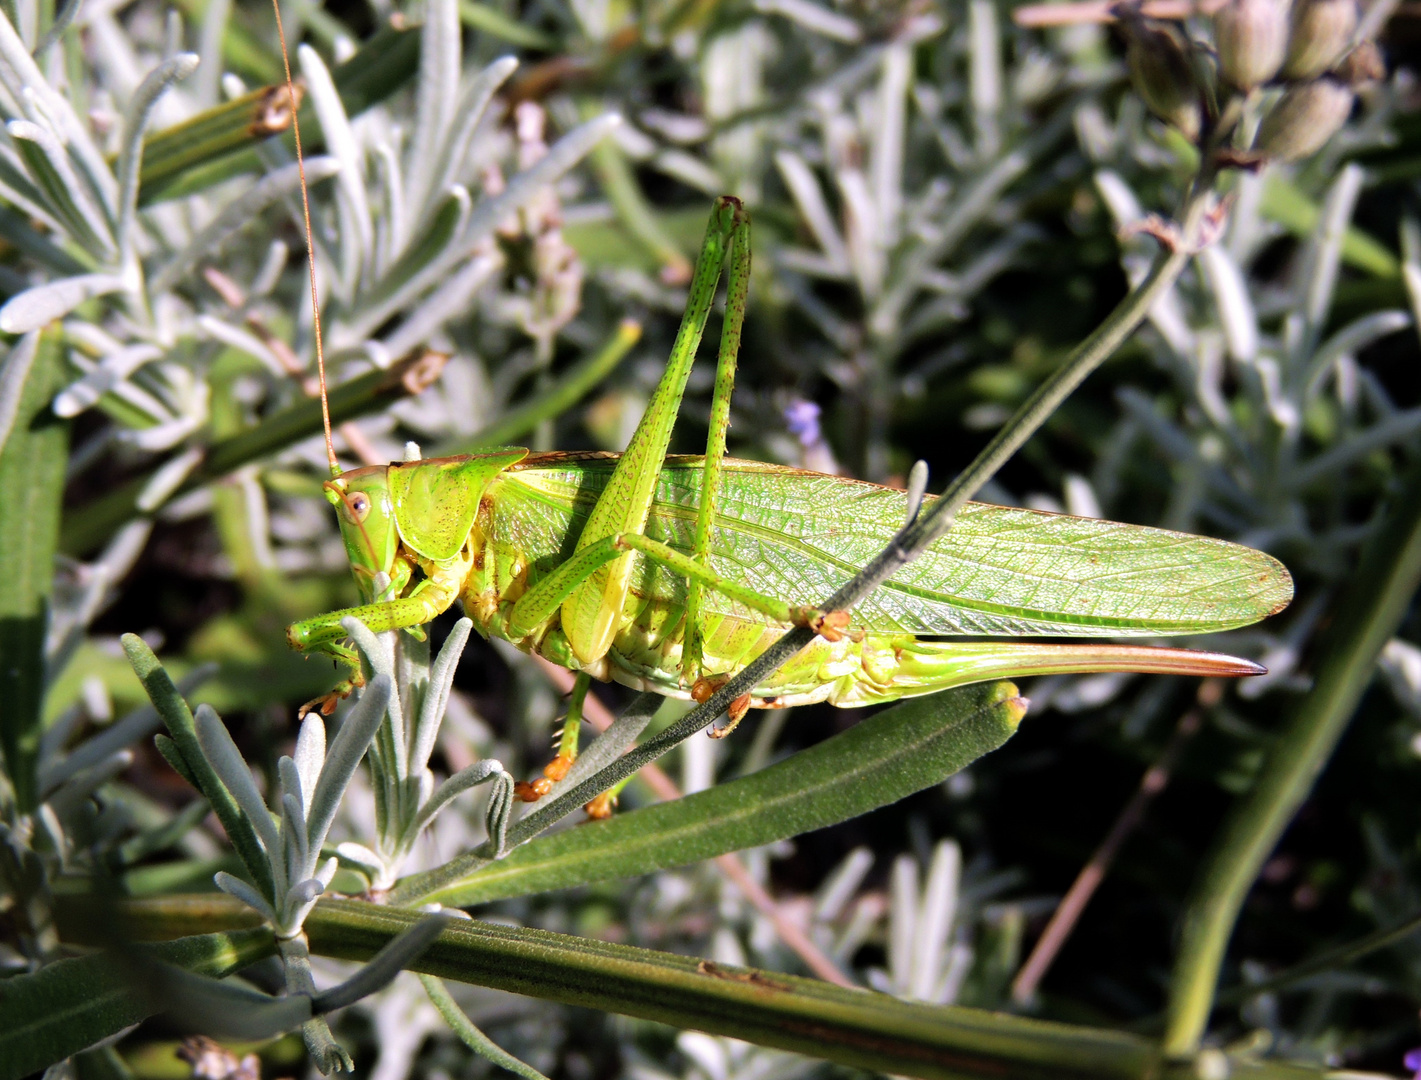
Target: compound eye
(358,504)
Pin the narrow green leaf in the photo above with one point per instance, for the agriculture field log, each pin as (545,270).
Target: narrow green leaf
(880,760)
(178,718)
(556,399)
(238,124)
(32,464)
(213,145)
(470,1034)
(1290,208)
(72,1004)
(489,20)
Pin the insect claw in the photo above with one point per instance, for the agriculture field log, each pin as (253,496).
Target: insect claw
(736,713)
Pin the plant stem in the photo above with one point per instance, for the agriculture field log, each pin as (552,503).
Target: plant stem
(852,1027)
(1368,610)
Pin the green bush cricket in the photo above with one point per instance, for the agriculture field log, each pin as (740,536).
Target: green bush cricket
(671,573)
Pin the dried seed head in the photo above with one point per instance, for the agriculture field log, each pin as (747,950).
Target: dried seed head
(1252,40)
(1162,70)
(1322,30)
(1304,119)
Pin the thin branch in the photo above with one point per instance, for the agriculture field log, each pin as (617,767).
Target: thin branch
(1072,905)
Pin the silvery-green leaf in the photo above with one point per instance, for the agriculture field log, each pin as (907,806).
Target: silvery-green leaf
(63,19)
(499,813)
(293,832)
(135,120)
(232,769)
(235,886)
(69,795)
(470,1035)
(230,1011)
(139,724)
(342,144)
(490,213)
(447,302)
(36,308)
(461,781)
(437,96)
(360,855)
(23,77)
(1325,250)
(310,754)
(240,213)
(455,148)
(1353,337)
(118,365)
(345,753)
(167,478)
(1232,302)
(65,194)
(809,198)
(211,34)
(383,966)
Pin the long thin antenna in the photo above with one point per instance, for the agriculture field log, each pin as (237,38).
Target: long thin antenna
(310,242)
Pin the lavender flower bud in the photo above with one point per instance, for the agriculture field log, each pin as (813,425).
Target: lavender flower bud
(1162,71)
(1252,40)
(1322,30)
(1304,119)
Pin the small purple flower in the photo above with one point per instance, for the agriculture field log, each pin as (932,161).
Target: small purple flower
(802,419)
(1412,1062)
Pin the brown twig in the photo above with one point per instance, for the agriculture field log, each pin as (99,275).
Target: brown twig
(790,932)
(1073,904)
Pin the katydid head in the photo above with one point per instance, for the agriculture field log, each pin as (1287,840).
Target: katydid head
(367,524)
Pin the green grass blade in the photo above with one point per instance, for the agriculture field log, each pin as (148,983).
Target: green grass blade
(878,761)
(32,462)
(72,1004)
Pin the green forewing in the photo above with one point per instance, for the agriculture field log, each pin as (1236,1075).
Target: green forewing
(436,500)
(1001,571)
